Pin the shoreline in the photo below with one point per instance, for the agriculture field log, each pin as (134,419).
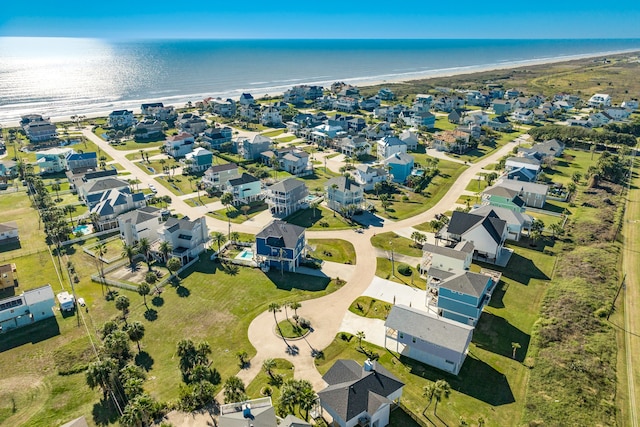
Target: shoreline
(361,82)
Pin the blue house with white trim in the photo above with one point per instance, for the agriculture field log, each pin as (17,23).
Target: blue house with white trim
(400,166)
(281,245)
(463,296)
(24,309)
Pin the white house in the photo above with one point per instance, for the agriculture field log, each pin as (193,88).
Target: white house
(359,396)
(121,119)
(270,116)
(113,203)
(179,145)
(427,338)
(187,238)
(8,232)
(617,113)
(138,224)
(410,138)
(599,100)
(517,222)
(217,176)
(523,115)
(366,176)
(631,104)
(531,164)
(390,145)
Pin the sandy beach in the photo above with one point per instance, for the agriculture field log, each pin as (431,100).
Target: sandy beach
(369,81)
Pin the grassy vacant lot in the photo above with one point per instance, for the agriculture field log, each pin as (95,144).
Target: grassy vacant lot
(400,245)
(370,307)
(571,161)
(315,181)
(383,270)
(334,250)
(157,165)
(178,184)
(236,215)
(204,199)
(17,207)
(315,218)
(491,384)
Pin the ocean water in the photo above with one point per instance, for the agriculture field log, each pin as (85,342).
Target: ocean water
(59,77)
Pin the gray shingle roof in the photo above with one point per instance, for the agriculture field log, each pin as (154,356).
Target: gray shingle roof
(287,185)
(357,390)
(8,226)
(441,250)
(442,332)
(287,233)
(141,215)
(105,184)
(343,183)
(222,168)
(467,282)
(461,222)
(245,178)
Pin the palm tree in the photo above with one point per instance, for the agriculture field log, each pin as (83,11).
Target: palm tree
(234,390)
(95,218)
(360,335)
(377,187)
(274,307)
(515,346)
(129,252)
(144,289)
(334,188)
(441,391)
(144,247)
(268,366)
(186,351)
(70,209)
(56,187)
(219,238)
(416,236)
(295,305)
(173,265)
(235,236)
(122,304)
(428,392)
(242,358)
(102,374)
(165,249)
(556,229)
(306,400)
(136,332)
(226,199)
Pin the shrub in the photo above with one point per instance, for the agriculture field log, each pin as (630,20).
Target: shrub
(404,269)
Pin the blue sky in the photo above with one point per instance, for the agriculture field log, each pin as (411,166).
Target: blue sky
(324,19)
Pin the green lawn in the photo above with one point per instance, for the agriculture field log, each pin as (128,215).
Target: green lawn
(334,250)
(273,133)
(157,165)
(383,270)
(130,145)
(178,184)
(17,207)
(400,245)
(491,384)
(136,155)
(319,218)
(315,181)
(262,380)
(477,185)
(370,307)
(571,161)
(236,215)
(204,199)
(285,139)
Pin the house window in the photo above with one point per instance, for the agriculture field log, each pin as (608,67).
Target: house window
(449,362)
(401,335)
(413,340)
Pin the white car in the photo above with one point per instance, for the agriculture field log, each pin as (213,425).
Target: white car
(153,188)
(81,302)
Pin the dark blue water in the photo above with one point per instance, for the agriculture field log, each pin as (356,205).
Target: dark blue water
(61,76)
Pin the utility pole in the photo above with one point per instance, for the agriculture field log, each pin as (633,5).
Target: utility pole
(393,268)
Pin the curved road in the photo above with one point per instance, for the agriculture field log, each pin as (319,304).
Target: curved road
(325,313)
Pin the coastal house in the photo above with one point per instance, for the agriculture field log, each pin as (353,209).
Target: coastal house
(79,177)
(346,104)
(270,116)
(517,221)
(191,123)
(390,145)
(8,276)
(245,189)
(246,99)
(511,93)
(39,130)
(386,94)
(451,141)
(378,131)
(462,296)
(447,103)
(599,118)
(487,233)
(223,107)
(179,145)
(121,119)
(353,146)
(599,100)
(249,112)
(503,197)
(356,124)
(523,115)
(24,309)
(370,104)
(9,232)
(157,111)
(251,149)
(456,115)
(359,395)
(325,134)
(440,262)
(366,176)
(617,113)
(53,160)
(292,160)
(502,106)
(429,339)
(81,160)
(410,138)
(112,203)
(477,117)
(500,124)
(298,94)
(215,137)
(139,224)
(199,159)
(254,412)
(532,194)
(286,197)
(281,245)
(540,150)
(217,176)
(418,119)
(348,91)
(147,129)
(91,191)
(399,166)
(146,108)
(532,164)
(422,102)
(343,194)
(631,105)
(187,238)
(8,169)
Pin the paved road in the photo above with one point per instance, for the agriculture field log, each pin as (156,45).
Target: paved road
(327,313)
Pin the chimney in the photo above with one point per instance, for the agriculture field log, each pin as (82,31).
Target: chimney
(368,365)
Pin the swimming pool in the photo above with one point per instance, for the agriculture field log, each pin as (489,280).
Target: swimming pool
(245,254)
(84,229)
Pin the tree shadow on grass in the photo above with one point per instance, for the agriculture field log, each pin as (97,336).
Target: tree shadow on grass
(157,301)
(144,360)
(476,379)
(151,314)
(104,413)
(495,334)
(182,291)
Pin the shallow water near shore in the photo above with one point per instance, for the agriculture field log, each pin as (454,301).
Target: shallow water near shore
(62,76)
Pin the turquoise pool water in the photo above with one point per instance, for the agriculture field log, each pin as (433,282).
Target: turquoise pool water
(245,254)
(84,229)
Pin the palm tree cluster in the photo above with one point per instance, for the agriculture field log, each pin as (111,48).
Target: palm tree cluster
(121,380)
(199,378)
(234,390)
(439,390)
(296,394)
